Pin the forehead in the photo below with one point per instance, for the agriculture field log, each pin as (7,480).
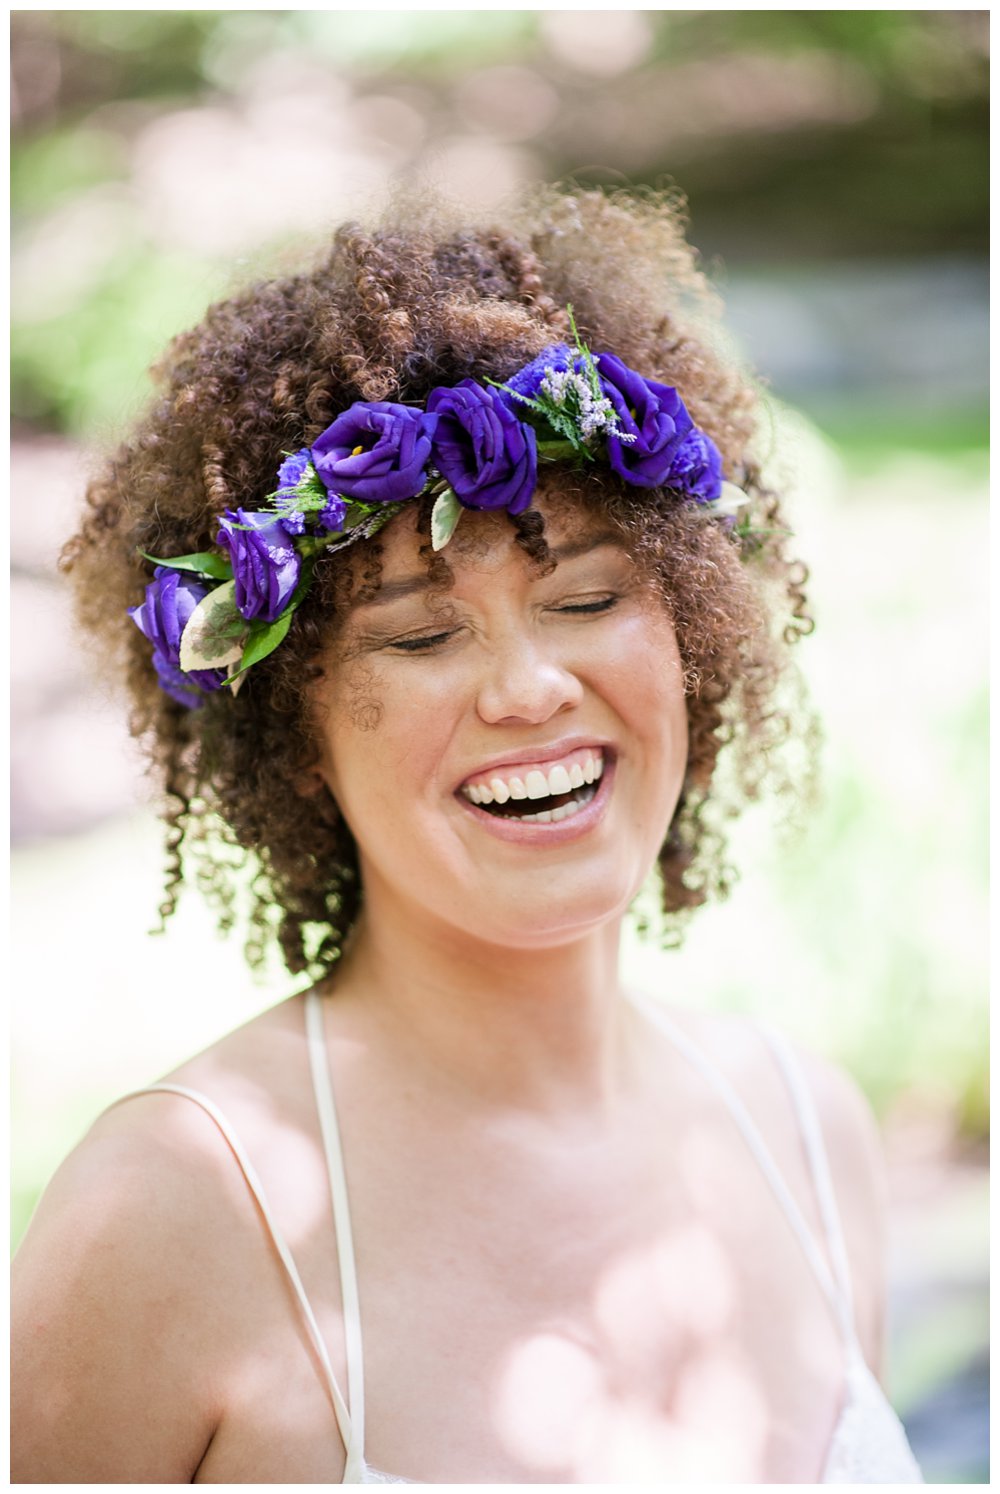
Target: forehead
(485,542)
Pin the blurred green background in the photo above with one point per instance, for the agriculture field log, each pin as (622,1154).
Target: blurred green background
(835,164)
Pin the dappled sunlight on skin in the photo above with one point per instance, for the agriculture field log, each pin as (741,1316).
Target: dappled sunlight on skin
(683,1283)
(723,1415)
(287,1152)
(289,1160)
(552,1392)
(809,1349)
(703,1158)
(558,1413)
(694,1348)
(722,1441)
(664,1316)
(272,1408)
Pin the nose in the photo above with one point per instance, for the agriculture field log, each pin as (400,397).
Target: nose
(522,683)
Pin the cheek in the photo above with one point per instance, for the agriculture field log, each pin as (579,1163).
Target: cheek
(650,698)
(649,676)
(349,713)
(369,749)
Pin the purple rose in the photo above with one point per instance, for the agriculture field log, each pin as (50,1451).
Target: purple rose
(528,379)
(485,453)
(171,597)
(376,452)
(697,467)
(653,413)
(187,688)
(266,564)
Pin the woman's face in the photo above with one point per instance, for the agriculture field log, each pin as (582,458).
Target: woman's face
(508,756)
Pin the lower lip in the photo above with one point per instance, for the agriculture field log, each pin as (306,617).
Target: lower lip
(555,833)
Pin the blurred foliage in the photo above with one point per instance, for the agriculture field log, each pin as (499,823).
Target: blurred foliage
(864,435)
(795,134)
(84,372)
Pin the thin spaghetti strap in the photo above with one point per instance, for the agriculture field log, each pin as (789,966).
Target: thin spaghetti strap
(753,1139)
(350,1301)
(280,1244)
(812,1136)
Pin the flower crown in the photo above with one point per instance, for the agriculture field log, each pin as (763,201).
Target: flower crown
(211,616)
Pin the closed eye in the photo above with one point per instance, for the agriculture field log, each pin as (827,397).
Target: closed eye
(428,642)
(419,645)
(603,604)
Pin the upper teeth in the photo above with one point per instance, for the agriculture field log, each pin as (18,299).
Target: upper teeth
(536,783)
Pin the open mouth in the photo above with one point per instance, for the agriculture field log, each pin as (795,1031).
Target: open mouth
(542,795)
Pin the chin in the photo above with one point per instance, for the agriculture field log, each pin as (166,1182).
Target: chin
(559,918)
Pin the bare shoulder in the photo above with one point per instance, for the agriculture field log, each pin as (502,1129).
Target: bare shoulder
(850,1137)
(123,1288)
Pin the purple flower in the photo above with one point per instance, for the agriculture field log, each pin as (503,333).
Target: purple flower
(171,597)
(333,515)
(289,476)
(527,379)
(291,470)
(292,520)
(484,452)
(375,452)
(653,413)
(188,689)
(265,563)
(696,468)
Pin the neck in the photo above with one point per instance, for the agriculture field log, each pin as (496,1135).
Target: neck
(540,1030)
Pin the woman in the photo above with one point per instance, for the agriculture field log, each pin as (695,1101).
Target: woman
(459,675)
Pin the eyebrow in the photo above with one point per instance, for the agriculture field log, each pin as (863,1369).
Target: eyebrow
(406,586)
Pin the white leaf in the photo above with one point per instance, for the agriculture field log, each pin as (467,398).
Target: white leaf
(444,516)
(729,502)
(214,634)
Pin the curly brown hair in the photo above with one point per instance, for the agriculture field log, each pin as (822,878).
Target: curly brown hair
(389,313)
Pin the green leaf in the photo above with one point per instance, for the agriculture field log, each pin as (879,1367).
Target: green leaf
(565,426)
(309,494)
(522,399)
(263,641)
(555,451)
(205,563)
(585,354)
(215,631)
(263,638)
(310,487)
(311,545)
(444,517)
